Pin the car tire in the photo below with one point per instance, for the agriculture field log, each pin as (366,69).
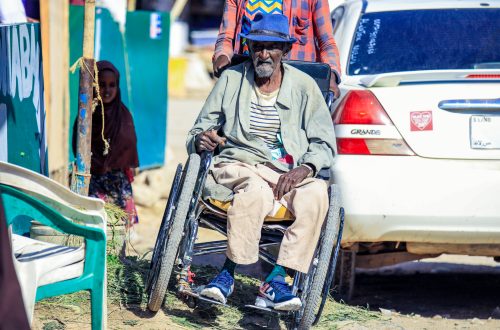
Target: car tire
(345,276)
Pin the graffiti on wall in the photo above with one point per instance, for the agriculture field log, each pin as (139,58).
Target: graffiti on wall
(22,114)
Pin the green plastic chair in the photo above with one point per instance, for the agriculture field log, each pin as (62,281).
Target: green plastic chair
(45,269)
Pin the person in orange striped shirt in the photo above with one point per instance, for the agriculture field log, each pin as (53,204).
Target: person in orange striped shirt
(309,23)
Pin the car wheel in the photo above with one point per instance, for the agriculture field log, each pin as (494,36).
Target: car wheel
(343,287)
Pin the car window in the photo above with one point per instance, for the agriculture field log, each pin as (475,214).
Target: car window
(426,40)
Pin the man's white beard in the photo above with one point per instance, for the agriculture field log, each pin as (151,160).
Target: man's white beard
(264,70)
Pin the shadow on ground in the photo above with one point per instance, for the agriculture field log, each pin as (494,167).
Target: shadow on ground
(430,288)
(126,287)
(451,291)
(233,315)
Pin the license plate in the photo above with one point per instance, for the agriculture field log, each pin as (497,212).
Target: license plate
(485,132)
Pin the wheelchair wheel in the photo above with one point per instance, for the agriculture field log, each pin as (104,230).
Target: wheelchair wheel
(163,231)
(315,280)
(159,283)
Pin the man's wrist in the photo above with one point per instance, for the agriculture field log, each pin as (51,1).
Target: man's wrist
(335,76)
(221,56)
(310,168)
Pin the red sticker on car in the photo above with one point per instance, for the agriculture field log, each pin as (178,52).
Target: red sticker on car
(421,120)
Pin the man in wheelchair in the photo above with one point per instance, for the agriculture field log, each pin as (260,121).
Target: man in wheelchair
(276,135)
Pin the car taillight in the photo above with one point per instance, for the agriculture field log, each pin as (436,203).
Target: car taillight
(363,127)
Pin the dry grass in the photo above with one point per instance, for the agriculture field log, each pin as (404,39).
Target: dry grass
(126,290)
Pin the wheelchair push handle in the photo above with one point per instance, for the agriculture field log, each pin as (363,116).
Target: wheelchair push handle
(330,99)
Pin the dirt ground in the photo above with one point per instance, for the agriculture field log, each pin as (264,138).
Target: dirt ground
(449,292)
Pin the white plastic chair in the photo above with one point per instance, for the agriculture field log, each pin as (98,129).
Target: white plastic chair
(45,269)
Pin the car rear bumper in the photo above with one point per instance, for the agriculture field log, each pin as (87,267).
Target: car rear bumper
(415,199)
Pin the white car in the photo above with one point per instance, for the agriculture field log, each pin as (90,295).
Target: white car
(418,130)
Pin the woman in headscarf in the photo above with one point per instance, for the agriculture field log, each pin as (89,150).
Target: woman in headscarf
(112,167)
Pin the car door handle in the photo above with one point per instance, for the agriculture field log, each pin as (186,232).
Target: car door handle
(476,106)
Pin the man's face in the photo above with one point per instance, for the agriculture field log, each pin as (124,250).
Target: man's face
(266,56)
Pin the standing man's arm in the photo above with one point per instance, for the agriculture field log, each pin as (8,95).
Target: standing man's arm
(323,32)
(224,44)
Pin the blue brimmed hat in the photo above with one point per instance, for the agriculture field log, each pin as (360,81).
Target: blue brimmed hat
(269,27)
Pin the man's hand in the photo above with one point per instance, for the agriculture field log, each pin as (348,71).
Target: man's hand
(208,140)
(290,180)
(334,87)
(220,63)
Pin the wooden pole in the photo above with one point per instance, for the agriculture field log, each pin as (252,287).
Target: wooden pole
(131,5)
(81,177)
(54,24)
(177,9)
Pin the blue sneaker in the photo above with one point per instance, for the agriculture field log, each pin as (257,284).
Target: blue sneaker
(220,288)
(277,294)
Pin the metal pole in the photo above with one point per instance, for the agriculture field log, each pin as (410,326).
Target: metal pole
(81,178)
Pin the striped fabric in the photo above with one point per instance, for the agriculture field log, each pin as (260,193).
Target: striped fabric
(264,119)
(265,124)
(263,6)
(252,8)
(309,22)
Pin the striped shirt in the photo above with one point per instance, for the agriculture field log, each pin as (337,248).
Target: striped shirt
(265,124)
(264,119)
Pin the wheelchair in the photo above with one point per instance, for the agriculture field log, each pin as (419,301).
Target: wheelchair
(188,209)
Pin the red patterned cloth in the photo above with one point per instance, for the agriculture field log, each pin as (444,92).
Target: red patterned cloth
(309,22)
(115,187)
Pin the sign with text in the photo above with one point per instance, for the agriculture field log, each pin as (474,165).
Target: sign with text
(22,113)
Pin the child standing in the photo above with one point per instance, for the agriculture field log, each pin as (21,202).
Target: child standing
(112,168)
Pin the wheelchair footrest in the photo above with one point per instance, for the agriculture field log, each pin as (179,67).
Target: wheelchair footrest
(267,310)
(195,293)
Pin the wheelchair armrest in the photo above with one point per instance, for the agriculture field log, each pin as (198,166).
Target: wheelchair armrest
(330,99)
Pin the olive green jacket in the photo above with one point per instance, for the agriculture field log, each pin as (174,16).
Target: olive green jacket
(306,126)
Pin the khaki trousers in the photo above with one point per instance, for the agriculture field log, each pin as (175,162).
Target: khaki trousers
(254,200)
